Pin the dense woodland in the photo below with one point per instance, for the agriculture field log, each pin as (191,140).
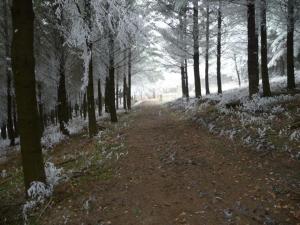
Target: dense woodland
(67,59)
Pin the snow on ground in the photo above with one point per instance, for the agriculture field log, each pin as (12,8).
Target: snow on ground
(266,124)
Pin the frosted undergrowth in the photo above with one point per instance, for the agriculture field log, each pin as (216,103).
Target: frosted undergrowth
(295,136)
(51,136)
(39,192)
(233,114)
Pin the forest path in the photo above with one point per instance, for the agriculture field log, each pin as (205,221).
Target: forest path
(178,173)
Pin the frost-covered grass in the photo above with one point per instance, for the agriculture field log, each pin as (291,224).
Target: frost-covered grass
(81,159)
(51,137)
(265,123)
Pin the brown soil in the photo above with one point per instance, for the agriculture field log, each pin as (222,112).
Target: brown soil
(178,173)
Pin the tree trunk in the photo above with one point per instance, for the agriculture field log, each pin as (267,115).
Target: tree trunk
(76,107)
(253,75)
(196,49)
(111,83)
(237,69)
(129,79)
(91,99)
(106,97)
(99,98)
(23,65)
(290,46)
(84,106)
(62,103)
(117,90)
(207,49)
(219,46)
(125,93)
(16,131)
(40,107)
(185,9)
(282,66)
(70,111)
(183,81)
(3,131)
(264,50)
(186,79)
(10,128)
(182,68)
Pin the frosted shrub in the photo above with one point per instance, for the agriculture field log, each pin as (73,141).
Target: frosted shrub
(3,174)
(277,109)
(76,126)
(295,136)
(261,132)
(53,175)
(52,136)
(39,191)
(37,194)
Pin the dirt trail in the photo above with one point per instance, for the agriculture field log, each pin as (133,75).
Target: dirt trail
(177,173)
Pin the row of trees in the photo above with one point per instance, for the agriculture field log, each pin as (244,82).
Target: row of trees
(66,58)
(229,31)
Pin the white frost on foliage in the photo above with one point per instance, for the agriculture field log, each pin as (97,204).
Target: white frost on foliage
(53,175)
(76,125)
(51,137)
(39,191)
(295,136)
(253,120)
(4,173)
(37,194)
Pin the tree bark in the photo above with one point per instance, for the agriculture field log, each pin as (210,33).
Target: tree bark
(196,49)
(62,102)
(186,79)
(15,121)
(76,107)
(84,106)
(253,75)
(111,83)
(125,88)
(70,111)
(264,50)
(237,69)
(290,46)
(10,129)
(282,66)
(129,79)
(90,87)
(117,90)
(23,65)
(91,99)
(99,98)
(182,71)
(219,47)
(183,82)
(3,131)
(207,34)
(106,97)
(40,107)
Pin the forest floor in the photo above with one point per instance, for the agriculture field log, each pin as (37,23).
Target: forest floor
(157,168)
